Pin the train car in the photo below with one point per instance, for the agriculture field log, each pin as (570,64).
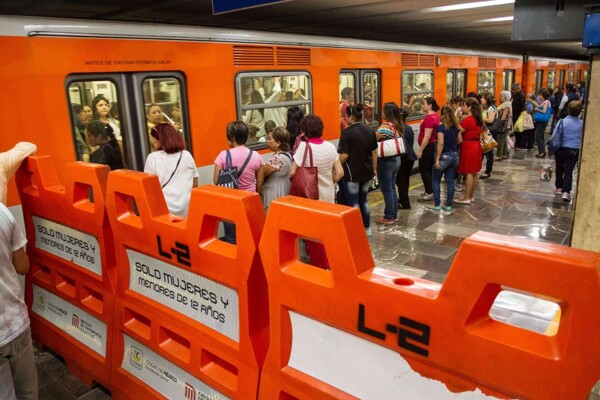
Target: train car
(59,74)
(552,73)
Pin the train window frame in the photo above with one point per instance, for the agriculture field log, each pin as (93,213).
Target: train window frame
(307,102)
(360,77)
(508,79)
(481,87)
(422,94)
(538,80)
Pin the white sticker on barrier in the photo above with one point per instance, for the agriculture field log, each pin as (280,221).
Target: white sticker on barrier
(360,368)
(162,375)
(70,319)
(206,301)
(67,243)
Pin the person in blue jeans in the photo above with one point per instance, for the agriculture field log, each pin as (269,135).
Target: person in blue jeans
(387,167)
(446,158)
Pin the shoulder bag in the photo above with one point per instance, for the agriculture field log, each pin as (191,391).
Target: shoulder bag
(391,147)
(552,149)
(487,141)
(228,176)
(498,125)
(543,117)
(305,182)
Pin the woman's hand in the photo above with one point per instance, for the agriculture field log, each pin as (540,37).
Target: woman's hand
(419,154)
(437,164)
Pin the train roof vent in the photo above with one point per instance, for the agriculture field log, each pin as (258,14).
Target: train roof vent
(491,63)
(482,62)
(426,60)
(253,55)
(293,56)
(552,65)
(571,65)
(410,60)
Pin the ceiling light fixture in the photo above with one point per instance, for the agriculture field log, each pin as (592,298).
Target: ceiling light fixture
(466,6)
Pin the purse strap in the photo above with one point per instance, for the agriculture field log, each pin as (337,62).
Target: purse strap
(245,162)
(308,150)
(176,166)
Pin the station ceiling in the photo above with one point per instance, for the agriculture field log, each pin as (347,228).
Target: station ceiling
(470,25)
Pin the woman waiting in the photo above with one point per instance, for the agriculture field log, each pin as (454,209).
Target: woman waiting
(174,166)
(154,116)
(528,136)
(250,177)
(505,115)
(407,160)
(358,156)
(541,118)
(294,116)
(489,114)
(387,167)
(101,112)
(470,150)
(277,169)
(108,153)
(446,158)
(567,138)
(426,152)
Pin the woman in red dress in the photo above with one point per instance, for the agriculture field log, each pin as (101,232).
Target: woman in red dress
(470,151)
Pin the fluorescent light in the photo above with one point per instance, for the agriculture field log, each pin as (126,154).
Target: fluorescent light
(500,19)
(466,6)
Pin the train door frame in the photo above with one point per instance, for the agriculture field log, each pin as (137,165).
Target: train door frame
(538,83)
(359,94)
(454,84)
(508,79)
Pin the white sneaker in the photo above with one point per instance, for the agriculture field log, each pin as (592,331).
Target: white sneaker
(426,197)
(368,231)
(558,191)
(566,198)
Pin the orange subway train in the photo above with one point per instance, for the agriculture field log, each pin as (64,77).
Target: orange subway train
(57,74)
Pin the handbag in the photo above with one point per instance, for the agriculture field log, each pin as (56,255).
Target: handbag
(391,147)
(228,176)
(552,149)
(487,141)
(497,126)
(305,182)
(528,122)
(518,127)
(543,117)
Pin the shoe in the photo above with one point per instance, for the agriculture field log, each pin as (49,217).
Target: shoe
(566,197)
(484,176)
(497,158)
(463,201)
(472,200)
(459,188)
(401,207)
(385,221)
(368,231)
(558,191)
(521,149)
(504,157)
(447,208)
(434,208)
(426,197)
(541,155)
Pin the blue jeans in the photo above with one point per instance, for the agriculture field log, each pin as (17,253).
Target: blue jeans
(566,159)
(448,166)
(387,170)
(540,127)
(229,229)
(355,195)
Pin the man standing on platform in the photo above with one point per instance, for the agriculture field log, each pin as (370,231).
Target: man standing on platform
(518,101)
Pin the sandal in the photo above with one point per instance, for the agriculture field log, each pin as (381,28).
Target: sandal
(484,176)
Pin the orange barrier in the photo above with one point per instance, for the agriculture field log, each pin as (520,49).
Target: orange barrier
(69,288)
(362,332)
(191,314)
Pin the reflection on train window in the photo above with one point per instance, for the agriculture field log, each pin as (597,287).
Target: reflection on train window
(539,77)
(162,103)
(508,79)
(370,98)
(551,79)
(571,78)
(416,86)
(561,79)
(486,82)
(449,87)
(585,76)
(266,96)
(94,100)
(347,87)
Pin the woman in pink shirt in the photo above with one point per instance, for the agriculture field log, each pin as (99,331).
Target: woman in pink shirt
(426,140)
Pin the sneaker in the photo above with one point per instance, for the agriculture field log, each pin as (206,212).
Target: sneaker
(385,221)
(459,188)
(558,191)
(565,197)
(521,149)
(434,208)
(426,197)
(368,231)
(484,176)
(447,208)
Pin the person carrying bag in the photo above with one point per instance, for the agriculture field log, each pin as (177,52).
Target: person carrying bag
(305,182)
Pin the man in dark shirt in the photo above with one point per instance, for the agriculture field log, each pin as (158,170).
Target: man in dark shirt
(518,101)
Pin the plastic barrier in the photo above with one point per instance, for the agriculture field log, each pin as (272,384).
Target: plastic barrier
(69,288)
(191,310)
(358,332)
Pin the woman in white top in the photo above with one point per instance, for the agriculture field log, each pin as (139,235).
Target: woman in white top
(174,166)
(505,114)
(256,117)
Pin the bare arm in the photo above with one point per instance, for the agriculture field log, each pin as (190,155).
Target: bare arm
(195,182)
(440,147)
(268,170)
(338,171)
(491,116)
(260,179)
(374,161)
(218,169)
(459,138)
(425,142)
(343,158)
(294,169)
(20,261)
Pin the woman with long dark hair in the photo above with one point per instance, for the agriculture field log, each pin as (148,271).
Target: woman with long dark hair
(294,116)
(108,152)
(470,149)
(426,140)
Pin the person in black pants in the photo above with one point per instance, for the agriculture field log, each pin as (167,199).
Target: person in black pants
(406,165)
(426,140)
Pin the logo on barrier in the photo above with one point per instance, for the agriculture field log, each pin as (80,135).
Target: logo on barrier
(136,357)
(41,300)
(181,250)
(75,321)
(190,392)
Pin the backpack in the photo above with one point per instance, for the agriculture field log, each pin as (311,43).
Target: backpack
(228,176)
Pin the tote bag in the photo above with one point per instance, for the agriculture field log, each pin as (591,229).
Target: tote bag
(305,182)
(528,122)
(228,176)
(391,147)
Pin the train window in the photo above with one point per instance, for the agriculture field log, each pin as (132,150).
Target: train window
(486,82)
(455,84)
(449,86)
(579,76)
(539,77)
(561,78)
(371,98)
(571,78)
(461,83)
(162,103)
(416,86)
(266,96)
(585,76)
(508,79)
(551,79)
(90,101)
(347,87)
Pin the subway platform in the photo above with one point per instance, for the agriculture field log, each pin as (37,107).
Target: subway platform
(423,243)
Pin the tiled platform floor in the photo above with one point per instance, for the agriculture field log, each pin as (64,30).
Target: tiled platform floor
(423,243)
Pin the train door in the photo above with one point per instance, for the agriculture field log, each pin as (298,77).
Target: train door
(361,86)
(508,79)
(456,83)
(561,79)
(486,82)
(129,105)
